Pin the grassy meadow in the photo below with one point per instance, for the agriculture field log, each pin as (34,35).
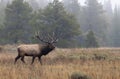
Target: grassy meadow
(98,63)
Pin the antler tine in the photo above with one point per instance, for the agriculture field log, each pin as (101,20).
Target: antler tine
(51,38)
(37,34)
(53,34)
(48,37)
(54,39)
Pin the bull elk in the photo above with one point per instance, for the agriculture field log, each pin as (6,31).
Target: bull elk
(36,50)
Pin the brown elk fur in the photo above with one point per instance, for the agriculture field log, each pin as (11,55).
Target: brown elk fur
(33,50)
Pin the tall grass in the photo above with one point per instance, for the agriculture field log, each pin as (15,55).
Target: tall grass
(61,63)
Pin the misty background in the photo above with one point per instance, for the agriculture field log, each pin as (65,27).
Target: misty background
(76,23)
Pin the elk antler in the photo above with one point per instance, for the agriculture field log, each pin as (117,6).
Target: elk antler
(50,38)
(54,40)
(37,35)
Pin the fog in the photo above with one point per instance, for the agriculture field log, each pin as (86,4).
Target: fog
(102,17)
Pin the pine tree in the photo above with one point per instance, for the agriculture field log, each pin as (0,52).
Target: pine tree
(18,15)
(116,28)
(94,19)
(2,13)
(108,7)
(91,40)
(109,14)
(55,19)
(34,4)
(73,7)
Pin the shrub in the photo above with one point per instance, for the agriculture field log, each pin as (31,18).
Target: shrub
(77,75)
(60,57)
(100,56)
(84,57)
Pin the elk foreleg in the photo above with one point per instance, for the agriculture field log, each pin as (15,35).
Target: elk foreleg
(16,59)
(22,59)
(40,60)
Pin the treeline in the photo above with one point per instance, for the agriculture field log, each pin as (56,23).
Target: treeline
(91,25)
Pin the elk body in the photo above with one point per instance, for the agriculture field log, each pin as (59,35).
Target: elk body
(35,50)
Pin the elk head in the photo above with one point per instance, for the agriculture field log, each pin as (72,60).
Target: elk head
(49,42)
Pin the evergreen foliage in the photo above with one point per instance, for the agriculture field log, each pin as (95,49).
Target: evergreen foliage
(55,19)
(91,40)
(20,19)
(17,28)
(94,19)
(115,33)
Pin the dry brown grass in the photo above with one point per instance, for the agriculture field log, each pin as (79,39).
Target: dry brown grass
(61,63)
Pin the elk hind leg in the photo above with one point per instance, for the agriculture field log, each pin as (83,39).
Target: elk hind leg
(22,59)
(33,60)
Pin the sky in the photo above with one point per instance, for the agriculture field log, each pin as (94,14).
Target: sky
(114,2)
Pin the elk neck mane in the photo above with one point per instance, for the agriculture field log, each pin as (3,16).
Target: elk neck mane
(46,49)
